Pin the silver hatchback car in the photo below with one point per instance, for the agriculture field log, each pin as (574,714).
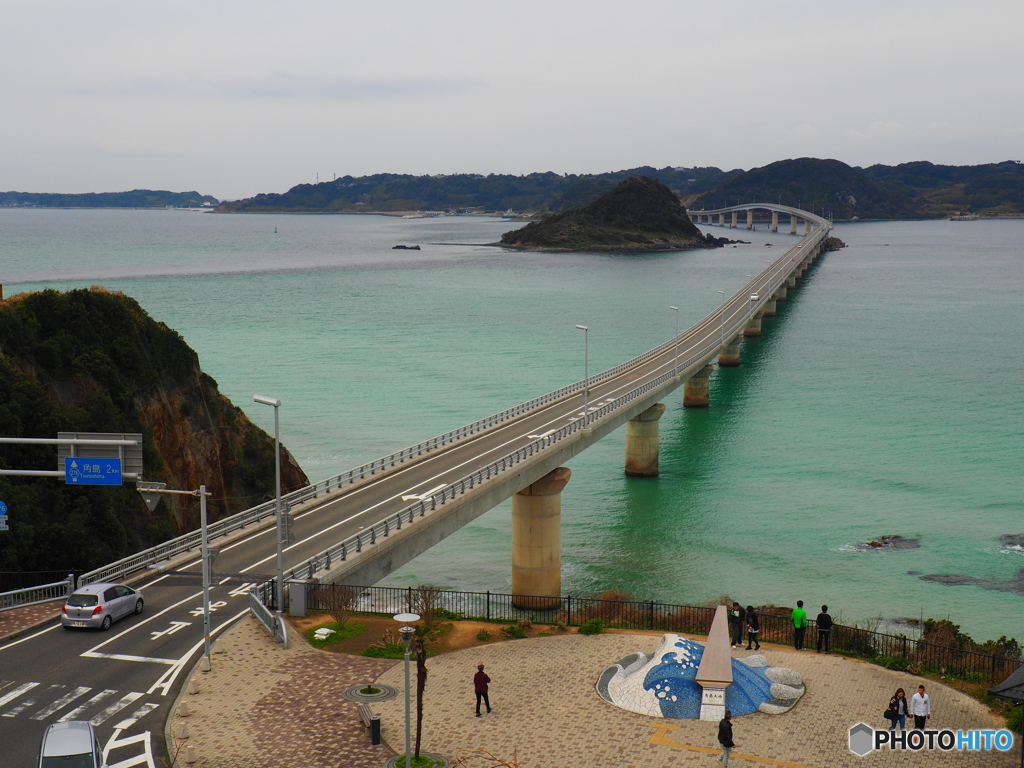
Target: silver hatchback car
(100,605)
(71,745)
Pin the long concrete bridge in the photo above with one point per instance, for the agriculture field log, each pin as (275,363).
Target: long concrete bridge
(360,526)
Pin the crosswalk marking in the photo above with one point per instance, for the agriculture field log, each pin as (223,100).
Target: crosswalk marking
(74,713)
(60,703)
(16,693)
(137,715)
(30,701)
(117,706)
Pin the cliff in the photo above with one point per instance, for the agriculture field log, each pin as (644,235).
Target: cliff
(95,361)
(640,214)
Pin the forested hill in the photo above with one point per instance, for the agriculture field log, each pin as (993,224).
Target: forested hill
(539,192)
(137,198)
(94,361)
(907,191)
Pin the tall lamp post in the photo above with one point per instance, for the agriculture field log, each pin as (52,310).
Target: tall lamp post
(676,310)
(277,484)
(407,633)
(586,375)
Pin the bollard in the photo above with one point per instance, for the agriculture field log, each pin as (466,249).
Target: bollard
(183,732)
(193,686)
(190,756)
(183,709)
(206,664)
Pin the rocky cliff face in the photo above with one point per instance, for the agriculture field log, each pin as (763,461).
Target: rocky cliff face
(640,214)
(129,373)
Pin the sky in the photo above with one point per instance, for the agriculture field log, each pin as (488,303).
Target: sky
(236,98)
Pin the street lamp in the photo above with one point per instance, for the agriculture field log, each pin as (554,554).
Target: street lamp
(149,491)
(407,633)
(586,374)
(280,522)
(676,310)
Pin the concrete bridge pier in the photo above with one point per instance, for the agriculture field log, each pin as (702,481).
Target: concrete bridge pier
(734,218)
(791,280)
(807,226)
(730,356)
(792,224)
(780,293)
(537,542)
(721,219)
(642,442)
(775,221)
(695,391)
(753,326)
(768,308)
(750,219)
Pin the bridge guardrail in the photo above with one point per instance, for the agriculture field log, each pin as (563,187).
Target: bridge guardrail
(189,541)
(44,593)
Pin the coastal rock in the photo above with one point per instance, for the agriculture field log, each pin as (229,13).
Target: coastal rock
(1013,540)
(638,215)
(951,579)
(891,542)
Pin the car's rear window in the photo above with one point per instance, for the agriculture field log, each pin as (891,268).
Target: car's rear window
(70,761)
(83,601)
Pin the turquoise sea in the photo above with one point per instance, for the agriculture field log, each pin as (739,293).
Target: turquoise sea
(885,398)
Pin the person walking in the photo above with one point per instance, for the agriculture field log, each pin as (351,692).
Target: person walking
(753,629)
(898,708)
(480,681)
(736,622)
(824,622)
(799,625)
(920,708)
(725,738)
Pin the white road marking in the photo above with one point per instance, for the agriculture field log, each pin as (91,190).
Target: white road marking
(74,713)
(143,622)
(536,437)
(174,627)
(213,607)
(137,715)
(60,703)
(30,701)
(30,637)
(116,707)
(164,683)
(242,590)
(146,758)
(128,657)
(16,692)
(422,496)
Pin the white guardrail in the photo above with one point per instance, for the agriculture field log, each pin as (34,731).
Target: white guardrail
(44,593)
(776,272)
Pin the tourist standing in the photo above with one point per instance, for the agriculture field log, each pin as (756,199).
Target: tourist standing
(920,708)
(824,622)
(736,622)
(753,629)
(799,625)
(725,738)
(898,708)
(480,681)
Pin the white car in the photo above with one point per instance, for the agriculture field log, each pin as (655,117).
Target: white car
(71,745)
(100,605)
(754,297)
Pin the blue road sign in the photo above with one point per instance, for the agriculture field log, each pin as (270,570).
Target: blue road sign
(3,508)
(79,471)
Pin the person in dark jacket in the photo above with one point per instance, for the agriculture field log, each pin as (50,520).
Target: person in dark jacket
(725,738)
(898,707)
(736,622)
(753,628)
(824,622)
(480,681)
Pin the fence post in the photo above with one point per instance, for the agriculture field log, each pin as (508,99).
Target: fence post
(568,610)
(488,605)
(71,583)
(408,599)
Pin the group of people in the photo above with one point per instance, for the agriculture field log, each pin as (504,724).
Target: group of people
(746,620)
(919,706)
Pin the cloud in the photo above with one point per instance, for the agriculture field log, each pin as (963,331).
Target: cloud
(275,85)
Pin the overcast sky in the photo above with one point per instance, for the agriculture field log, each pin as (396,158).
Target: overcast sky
(235,98)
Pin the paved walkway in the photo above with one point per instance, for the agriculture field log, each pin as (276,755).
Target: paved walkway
(263,706)
(17,620)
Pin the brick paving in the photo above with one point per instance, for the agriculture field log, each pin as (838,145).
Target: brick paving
(263,706)
(17,620)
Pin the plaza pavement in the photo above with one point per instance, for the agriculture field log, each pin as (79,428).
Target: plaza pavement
(263,706)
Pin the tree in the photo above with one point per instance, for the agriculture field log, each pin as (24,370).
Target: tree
(339,602)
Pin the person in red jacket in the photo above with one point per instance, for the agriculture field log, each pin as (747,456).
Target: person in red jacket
(480,681)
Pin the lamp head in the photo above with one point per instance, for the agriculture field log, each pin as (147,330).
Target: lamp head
(266,400)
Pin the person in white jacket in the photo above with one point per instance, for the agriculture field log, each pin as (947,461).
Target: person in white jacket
(920,708)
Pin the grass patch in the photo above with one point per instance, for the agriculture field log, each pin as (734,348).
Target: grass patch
(419,762)
(351,629)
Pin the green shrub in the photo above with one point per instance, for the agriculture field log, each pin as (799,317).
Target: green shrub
(483,637)
(592,627)
(1015,720)
(351,629)
(394,651)
(443,614)
(514,632)
(418,762)
(894,662)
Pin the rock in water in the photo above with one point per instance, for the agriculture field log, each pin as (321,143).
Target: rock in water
(640,214)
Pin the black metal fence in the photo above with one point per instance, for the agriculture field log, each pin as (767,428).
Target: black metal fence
(895,651)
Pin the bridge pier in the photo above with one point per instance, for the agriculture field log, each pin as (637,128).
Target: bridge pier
(642,442)
(768,308)
(721,219)
(753,326)
(792,224)
(730,356)
(807,226)
(537,542)
(780,293)
(775,221)
(791,280)
(734,218)
(750,219)
(695,391)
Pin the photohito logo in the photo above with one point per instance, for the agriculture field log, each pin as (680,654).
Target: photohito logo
(864,739)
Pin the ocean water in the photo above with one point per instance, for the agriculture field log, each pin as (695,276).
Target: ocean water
(884,399)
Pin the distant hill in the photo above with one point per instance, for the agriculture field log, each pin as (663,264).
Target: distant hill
(640,214)
(94,361)
(938,190)
(536,192)
(137,198)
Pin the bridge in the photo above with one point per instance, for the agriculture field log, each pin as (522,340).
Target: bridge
(360,526)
